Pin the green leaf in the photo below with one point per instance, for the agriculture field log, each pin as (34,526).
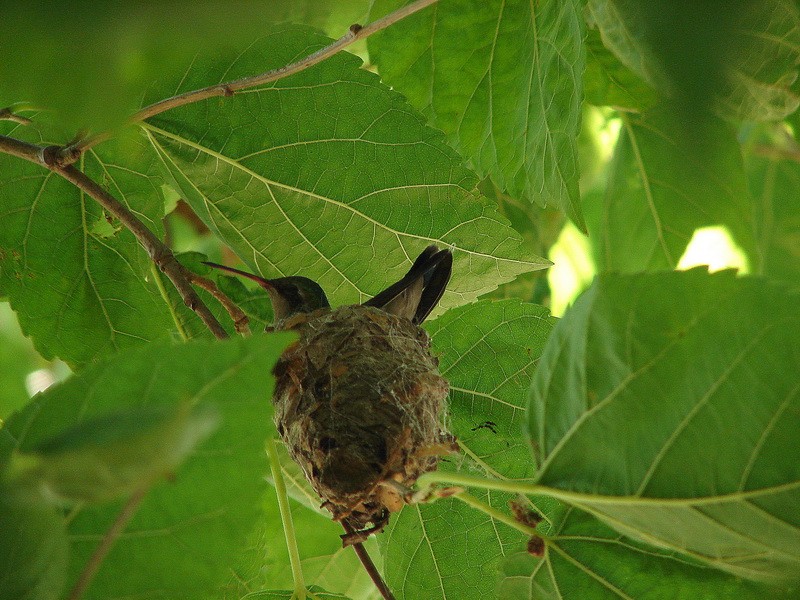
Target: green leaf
(587,560)
(92,61)
(503,80)
(189,535)
(81,290)
(607,82)
(33,549)
(329,170)
(105,457)
(663,407)
(774,185)
(738,59)
(662,187)
(488,351)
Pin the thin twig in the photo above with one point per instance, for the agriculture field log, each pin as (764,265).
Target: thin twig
(71,153)
(160,254)
(240,320)
(369,566)
(8,114)
(119,524)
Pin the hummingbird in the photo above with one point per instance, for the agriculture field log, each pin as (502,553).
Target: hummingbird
(413,297)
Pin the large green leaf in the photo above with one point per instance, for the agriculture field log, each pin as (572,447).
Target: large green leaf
(737,58)
(503,80)
(328,172)
(190,535)
(81,285)
(667,406)
(662,187)
(33,549)
(587,560)
(448,549)
(91,61)
(115,454)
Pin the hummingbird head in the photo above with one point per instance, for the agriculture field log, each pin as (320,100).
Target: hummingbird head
(289,295)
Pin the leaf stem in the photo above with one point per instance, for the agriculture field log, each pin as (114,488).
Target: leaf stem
(472,501)
(160,254)
(70,153)
(119,524)
(286,517)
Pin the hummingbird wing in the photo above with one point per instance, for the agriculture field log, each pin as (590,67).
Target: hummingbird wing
(418,292)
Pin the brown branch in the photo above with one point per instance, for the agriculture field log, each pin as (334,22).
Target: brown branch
(70,153)
(240,320)
(93,564)
(8,114)
(369,566)
(159,253)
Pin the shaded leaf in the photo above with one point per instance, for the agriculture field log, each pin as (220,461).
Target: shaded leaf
(80,294)
(92,61)
(33,549)
(448,549)
(503,80)
(662,406)
(738,59)
(608,82)
(774,184)
(103,458)
(662,187)
(189,534)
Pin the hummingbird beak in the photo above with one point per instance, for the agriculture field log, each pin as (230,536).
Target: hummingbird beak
(265,283)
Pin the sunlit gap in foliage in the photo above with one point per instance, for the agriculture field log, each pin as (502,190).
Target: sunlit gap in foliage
(606,135)
(714,247)
(572,270)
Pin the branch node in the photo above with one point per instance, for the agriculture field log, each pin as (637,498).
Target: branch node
(7,114)
(228,91)
(48,156)
(355,28)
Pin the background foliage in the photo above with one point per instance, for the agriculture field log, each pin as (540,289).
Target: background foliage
(653,425)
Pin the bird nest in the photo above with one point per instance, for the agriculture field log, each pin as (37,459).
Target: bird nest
(359,404)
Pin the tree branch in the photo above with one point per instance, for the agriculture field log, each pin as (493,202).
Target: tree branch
(369,566)
(8,114)
(70,153)
(160,254)
(240,320)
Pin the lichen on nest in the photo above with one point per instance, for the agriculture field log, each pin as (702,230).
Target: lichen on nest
(359,403)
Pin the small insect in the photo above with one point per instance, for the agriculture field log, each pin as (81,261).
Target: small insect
(490,425)
(358,398)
